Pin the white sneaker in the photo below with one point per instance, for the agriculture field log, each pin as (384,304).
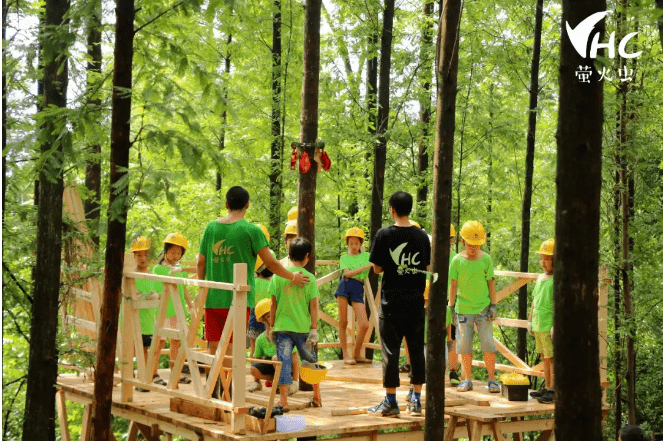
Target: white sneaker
(293,388)
(254,386)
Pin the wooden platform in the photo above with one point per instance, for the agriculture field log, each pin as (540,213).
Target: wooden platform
(346,393)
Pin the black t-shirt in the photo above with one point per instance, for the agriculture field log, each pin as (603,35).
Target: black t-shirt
(404,253)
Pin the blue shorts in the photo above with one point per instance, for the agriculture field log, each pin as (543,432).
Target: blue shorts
(264,369)
(351,289)
(254,327)
(465,333)
(285,341)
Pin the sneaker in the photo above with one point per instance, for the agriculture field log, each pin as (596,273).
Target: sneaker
(547,397)
(293,388)
(385,409)
(408,395)
(254,386)
(493,387)
(538,393)
(414,408)
(454,379)
(465,386)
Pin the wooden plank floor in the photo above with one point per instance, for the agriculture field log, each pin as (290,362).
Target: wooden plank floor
(345,390)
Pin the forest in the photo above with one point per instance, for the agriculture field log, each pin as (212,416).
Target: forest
(202,95)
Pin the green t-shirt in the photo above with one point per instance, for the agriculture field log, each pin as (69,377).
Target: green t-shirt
(353,262)
(261,289)
(265,349)
(147,315)
(224,245)
(158,286)
(472,290)
(293,302)
(542,319)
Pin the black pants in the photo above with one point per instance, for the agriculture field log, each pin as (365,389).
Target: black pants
(393,328)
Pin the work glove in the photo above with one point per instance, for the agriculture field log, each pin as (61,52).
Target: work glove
(491,312)
(271,336)
(528,328)
(312,338)
(175,270)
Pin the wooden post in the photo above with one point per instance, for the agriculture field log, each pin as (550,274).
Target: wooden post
(62,415)
(126,343)
(239,330)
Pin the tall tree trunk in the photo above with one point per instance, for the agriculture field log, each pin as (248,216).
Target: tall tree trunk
(309,125)
(39,416)
(618,322)
(528,176)
(461,155)
(372,86)
(93,167)
(425,108)
(378,178)
(117,224)
(277,143)
(446,75)
(579,148)
(222,135)
(659,5)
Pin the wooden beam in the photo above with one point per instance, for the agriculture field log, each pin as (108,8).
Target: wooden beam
(521,275)
(239,329)
(512,357)
(62,414)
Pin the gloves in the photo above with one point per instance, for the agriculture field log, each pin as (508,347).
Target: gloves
(271,336)
(175,270)
(312,338)
(491,312)
(450,345)
(528,328)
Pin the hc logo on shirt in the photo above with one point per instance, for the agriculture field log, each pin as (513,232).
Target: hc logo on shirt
(403,258)
(220,249)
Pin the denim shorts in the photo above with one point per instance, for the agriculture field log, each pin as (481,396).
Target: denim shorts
(285,341)
(351,289)
(264,369)
(465,333)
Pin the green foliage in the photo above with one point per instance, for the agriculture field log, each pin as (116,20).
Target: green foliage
(181,89)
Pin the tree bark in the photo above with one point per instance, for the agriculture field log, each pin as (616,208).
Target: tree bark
(579,148)
(309,125)
(446,75)
(277,143)
(528,176)
(618,344)
(39,416)
(659,5)
(117,227)
(93,168)
(372,86)
(378,177)
(425,109)
(222,135)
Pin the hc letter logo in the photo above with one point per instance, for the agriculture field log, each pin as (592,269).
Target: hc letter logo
(579,37)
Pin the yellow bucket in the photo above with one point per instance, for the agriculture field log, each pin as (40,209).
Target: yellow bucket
(314,375)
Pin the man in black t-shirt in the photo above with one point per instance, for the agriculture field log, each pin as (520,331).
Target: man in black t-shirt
(402,253)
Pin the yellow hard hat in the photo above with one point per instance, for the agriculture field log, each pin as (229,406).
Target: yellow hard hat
(426,294)
(314,375)
(178,239)
(355,231)
(291,228)
(452,230)
(264,229)
(141,243)
(547,248)
(473,232)
(415,223)
(262,307)
(259,261)
(293,214)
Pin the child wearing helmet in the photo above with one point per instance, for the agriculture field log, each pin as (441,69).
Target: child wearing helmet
(261,283)
(265,349)
(541,319)
(175,246)
(472,272)
(350,291)
(141,249)
(290,233)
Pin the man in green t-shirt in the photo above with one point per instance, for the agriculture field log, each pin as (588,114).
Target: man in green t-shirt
(225,242)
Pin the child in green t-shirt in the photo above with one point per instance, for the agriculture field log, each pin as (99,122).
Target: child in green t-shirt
(472,273)
(294,314)
(355,267)
(541,319)
(145,288)
(175,246)
(261,282)
(264,349)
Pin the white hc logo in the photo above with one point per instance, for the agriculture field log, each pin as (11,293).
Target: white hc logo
(579,37)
